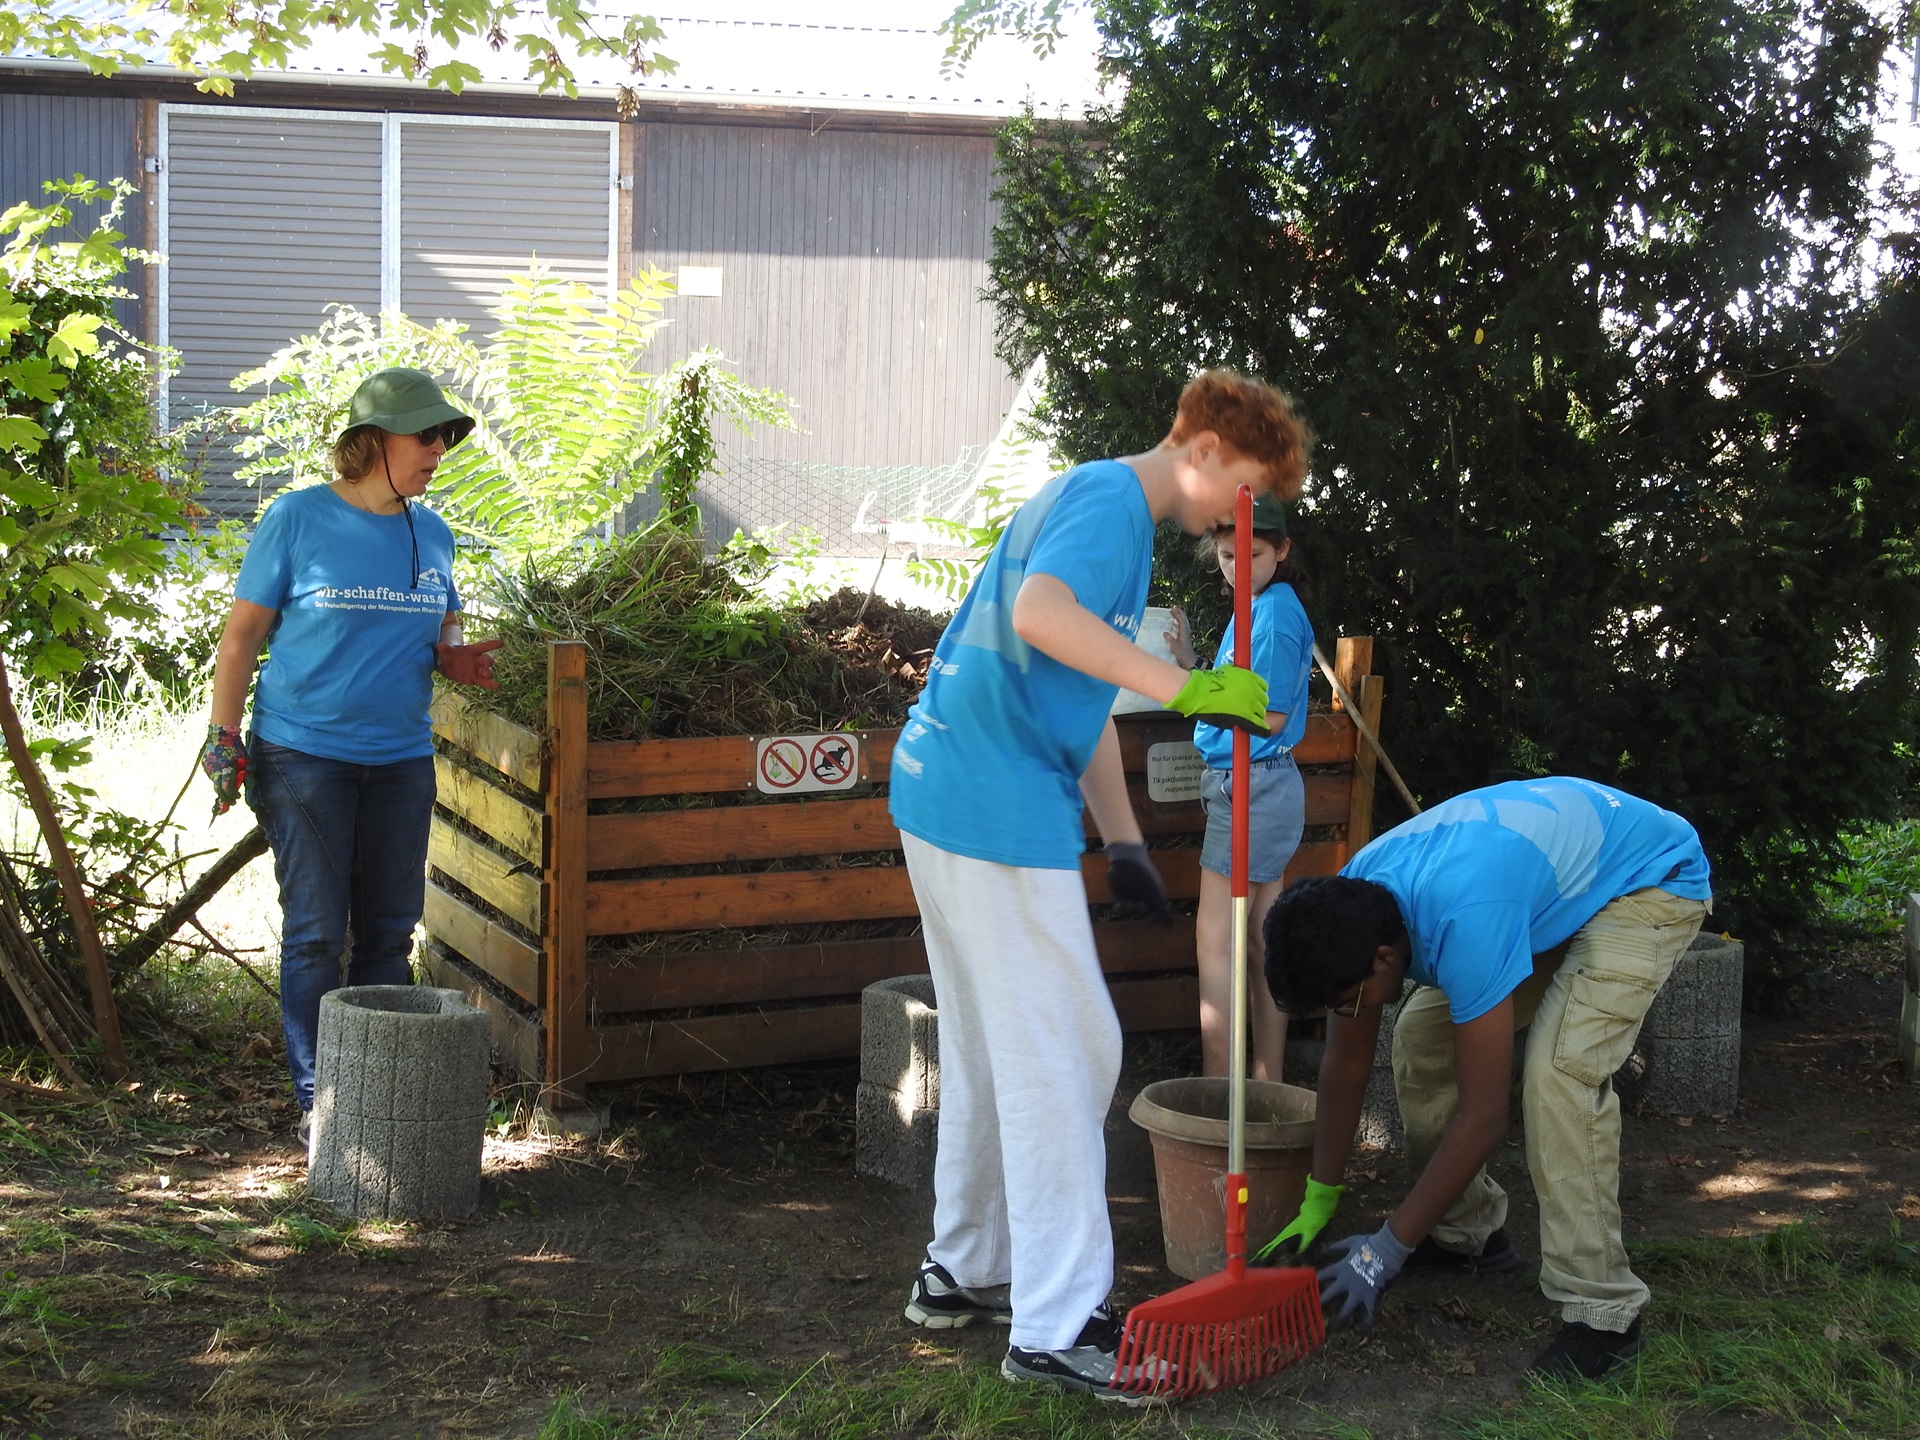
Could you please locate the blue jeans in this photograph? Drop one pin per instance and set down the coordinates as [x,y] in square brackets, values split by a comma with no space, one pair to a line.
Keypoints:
[350,853]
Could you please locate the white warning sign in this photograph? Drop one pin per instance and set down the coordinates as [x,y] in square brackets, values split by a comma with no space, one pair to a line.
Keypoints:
[801,764]
[1174,769]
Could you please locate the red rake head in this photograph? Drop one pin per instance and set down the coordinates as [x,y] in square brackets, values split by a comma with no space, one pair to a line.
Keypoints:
[1218,1332]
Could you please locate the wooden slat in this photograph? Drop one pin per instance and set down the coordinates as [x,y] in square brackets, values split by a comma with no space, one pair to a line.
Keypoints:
[484,943]
[781,897]
[824,1032]
[508,748]
[816,826]
[1166,1003]
[673,980]
[725,1042]
[620,768]
[802,897]
[565,1005]
[683,979]
[1142,730]
[504,882]
[1179,872]
[516,1040]
[1316,857]
[1329,740]
[518,827]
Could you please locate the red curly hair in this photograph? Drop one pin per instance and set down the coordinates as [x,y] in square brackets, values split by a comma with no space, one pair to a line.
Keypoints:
[1252,417]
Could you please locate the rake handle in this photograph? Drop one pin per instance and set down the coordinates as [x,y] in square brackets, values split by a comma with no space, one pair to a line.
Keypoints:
[1241,816]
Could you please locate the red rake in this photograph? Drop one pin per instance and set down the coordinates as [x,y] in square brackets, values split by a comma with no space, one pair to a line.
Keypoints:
[1236,1326]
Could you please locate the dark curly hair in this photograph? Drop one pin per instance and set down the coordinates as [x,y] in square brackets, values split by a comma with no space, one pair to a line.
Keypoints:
[1322,935]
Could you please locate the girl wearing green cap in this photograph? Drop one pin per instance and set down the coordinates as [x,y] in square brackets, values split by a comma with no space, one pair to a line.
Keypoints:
[349,585]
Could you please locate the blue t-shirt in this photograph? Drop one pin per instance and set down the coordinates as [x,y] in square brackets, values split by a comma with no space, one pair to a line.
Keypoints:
[349,668]
[1282,653]
[1493,877]
[989,762]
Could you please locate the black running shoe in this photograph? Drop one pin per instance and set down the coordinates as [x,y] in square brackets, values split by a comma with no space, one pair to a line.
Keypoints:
[1496,1257]
[1584,1353]
[1086,1367]
[939,1304]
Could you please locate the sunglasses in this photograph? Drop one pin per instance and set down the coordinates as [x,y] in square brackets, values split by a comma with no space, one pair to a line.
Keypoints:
[1351,1010]
[446,431]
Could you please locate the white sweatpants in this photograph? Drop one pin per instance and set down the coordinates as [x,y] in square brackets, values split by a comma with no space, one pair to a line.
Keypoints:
[1029,1055]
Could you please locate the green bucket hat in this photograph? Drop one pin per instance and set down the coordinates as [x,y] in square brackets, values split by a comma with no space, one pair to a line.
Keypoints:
[1269,514]
[403,401]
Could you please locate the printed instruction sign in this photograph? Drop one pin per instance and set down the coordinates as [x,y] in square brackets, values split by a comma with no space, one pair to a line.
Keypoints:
[800,764]
[1174,769]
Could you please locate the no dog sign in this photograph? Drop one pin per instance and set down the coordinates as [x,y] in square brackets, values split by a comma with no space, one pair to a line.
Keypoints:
[800,764]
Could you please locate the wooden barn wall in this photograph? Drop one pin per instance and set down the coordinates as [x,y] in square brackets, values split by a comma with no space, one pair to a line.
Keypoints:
[54,137]
[852,266]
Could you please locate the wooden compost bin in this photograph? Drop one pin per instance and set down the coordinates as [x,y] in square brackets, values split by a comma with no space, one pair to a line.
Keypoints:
[524,871]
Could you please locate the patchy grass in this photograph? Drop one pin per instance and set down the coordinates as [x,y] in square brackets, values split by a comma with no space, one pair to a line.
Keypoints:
[1793,1327]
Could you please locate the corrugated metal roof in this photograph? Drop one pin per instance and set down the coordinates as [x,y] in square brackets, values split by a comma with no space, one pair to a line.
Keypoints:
[858,54]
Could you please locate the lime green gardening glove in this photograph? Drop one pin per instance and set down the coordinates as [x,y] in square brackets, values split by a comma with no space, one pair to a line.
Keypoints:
[1227,696]
[1315,1211]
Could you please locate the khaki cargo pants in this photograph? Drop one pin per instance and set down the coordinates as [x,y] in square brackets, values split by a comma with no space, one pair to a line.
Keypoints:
[1583,1013]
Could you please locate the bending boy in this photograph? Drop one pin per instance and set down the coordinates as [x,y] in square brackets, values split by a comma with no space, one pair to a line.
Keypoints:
[1474,900]
[1008,744]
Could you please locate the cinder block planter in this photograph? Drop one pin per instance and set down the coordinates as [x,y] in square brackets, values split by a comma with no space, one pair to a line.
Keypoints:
[897,1107]
[1687,1060]
[1908,1035]
[399,1103]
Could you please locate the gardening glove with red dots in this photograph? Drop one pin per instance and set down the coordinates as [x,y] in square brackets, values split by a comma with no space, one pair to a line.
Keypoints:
[1227,696]
[1138,893]
[469,664]
[224,758]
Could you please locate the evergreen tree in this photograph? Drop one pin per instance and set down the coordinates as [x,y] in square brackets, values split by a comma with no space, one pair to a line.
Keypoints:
[1612,339]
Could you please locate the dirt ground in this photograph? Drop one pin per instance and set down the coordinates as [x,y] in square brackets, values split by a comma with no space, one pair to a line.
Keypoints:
[726,1214]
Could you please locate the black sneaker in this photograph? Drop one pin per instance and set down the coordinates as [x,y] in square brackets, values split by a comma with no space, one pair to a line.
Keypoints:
[1582,1352]
[939,1304]
[1087,1367]
[1496,1257]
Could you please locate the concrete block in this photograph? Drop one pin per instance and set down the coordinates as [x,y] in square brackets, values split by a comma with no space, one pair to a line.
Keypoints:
[900,1038]
[897,1107]
[1913,943]
[400,1102]
[893,1140]
[1909,1036]
[1702,996]
[1687,1059]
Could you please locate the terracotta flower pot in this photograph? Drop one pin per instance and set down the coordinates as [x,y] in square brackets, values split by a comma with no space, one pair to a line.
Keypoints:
[1187,1121]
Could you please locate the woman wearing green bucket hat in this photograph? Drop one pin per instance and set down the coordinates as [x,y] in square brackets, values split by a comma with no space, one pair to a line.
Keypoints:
[352,585]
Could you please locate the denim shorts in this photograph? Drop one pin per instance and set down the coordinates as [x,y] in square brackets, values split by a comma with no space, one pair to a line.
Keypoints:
[1274,826]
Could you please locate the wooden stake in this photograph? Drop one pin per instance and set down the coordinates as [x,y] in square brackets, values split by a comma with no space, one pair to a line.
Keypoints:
[566,910]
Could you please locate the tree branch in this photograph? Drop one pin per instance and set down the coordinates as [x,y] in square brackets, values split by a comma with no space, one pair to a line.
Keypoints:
[144,946]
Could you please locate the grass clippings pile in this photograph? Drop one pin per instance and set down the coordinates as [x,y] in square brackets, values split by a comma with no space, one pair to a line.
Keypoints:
[680,645]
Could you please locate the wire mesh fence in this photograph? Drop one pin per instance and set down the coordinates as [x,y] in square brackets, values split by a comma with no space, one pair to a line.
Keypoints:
[856,510]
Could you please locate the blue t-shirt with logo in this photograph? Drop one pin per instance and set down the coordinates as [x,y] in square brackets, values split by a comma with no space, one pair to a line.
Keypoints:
[1282,654]
[1491,878]
[989,762]
[349,668]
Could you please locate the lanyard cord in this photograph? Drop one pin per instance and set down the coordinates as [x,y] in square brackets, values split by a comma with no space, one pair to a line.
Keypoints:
[413,537]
